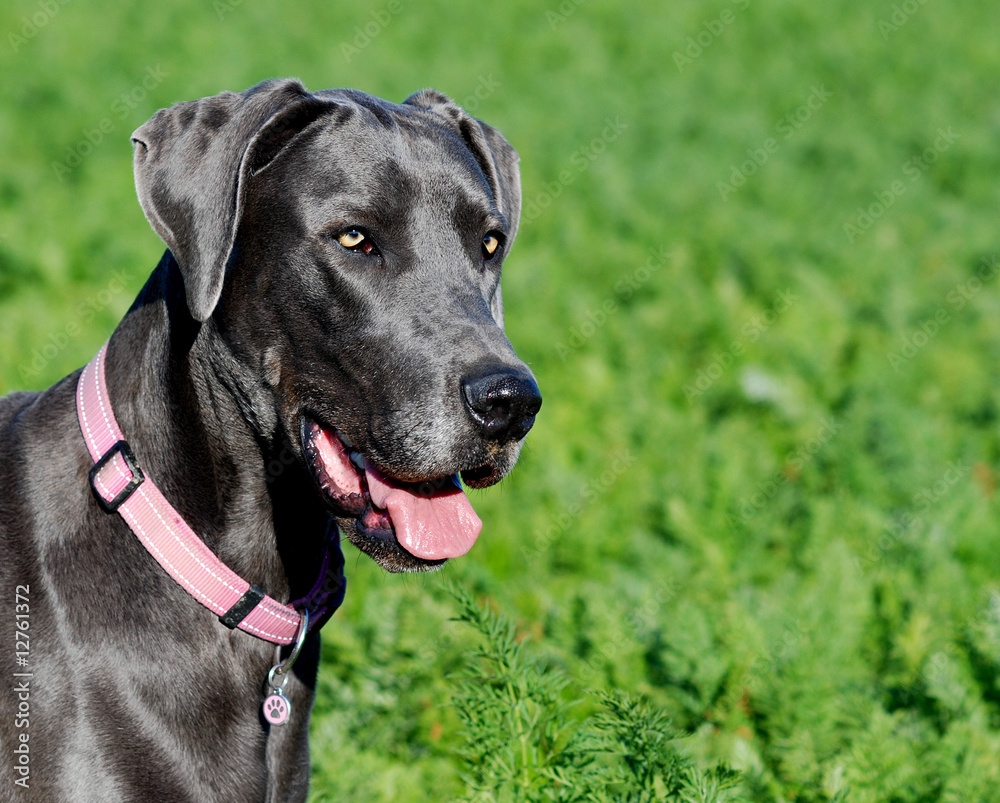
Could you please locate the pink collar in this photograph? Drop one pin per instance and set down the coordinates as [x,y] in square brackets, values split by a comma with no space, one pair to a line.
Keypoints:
[120,485]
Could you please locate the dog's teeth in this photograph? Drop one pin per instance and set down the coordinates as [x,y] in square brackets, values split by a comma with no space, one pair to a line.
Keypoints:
[358,459]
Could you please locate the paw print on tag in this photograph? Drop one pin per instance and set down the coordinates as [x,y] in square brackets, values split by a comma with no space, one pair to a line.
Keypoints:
[277,709]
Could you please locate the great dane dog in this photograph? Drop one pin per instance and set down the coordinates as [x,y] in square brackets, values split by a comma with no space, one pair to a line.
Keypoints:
[321,344]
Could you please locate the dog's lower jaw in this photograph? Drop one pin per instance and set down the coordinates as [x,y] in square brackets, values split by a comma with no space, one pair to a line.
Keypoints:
[386,551]
[359,497]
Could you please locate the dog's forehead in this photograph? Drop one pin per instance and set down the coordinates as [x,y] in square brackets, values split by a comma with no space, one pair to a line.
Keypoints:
[372,149]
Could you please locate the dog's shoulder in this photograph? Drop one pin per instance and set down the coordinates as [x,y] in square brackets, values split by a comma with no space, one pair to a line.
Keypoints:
[37,433]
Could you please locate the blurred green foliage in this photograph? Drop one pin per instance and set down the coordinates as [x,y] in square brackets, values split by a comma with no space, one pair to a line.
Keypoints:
[756,278]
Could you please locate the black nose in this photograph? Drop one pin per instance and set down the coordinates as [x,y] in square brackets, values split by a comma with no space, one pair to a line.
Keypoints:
[502,403]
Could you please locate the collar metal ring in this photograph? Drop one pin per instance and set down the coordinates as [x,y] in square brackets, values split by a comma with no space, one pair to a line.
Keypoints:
[283,667]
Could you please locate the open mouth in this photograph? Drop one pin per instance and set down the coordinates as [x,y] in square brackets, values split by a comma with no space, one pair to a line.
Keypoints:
[416,525]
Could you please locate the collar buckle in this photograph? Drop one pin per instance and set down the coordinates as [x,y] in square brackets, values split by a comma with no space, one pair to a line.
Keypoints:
[121,448]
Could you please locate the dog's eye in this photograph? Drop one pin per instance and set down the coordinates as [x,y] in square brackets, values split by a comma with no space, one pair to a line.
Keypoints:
[355,240]
[351,239]
[490,245]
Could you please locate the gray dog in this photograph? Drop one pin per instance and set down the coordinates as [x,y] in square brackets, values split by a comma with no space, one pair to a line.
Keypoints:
[320,348]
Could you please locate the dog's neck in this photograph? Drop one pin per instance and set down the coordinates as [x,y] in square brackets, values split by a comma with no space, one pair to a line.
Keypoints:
[201,428]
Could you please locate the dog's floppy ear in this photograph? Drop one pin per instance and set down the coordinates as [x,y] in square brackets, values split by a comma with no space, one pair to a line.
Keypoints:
[193,162]
[494,154]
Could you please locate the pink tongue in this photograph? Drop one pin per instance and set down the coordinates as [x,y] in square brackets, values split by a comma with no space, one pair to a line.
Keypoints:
[434,525]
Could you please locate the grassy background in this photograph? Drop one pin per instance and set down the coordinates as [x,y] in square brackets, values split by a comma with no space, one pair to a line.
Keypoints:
[762,489]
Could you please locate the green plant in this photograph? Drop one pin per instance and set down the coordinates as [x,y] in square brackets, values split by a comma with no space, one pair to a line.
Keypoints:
[795,557]
[522,743]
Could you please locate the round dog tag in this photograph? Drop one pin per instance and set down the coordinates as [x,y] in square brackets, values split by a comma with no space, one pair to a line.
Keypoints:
[277,708]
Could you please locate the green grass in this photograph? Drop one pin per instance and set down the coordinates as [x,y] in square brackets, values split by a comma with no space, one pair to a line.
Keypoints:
[761,493]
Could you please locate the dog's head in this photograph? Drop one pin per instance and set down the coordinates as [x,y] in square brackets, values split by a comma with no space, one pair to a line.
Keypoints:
[347,253]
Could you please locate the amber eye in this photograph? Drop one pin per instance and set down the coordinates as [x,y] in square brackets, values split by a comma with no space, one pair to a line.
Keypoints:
[356,240]
[351,239]
[490,245]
